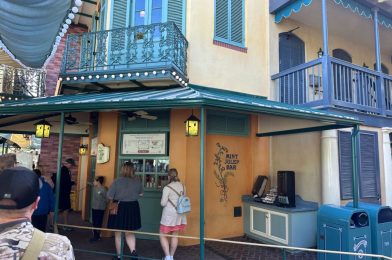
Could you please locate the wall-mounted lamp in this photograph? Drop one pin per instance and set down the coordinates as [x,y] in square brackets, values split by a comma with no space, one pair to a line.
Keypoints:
[320,53]
[42,129]
[83,149]
[192,126]
[365,66]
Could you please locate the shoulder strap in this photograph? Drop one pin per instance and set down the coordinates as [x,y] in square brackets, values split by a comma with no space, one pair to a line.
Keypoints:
[35,245]
[174,190]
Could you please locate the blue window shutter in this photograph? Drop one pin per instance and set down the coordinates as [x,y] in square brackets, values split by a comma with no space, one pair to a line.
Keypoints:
[175,13]
[237,21]
[222,19]
[369,177]
[345,165]
[119,14]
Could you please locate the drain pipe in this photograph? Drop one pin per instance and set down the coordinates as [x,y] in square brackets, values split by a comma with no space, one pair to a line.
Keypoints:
[355,158]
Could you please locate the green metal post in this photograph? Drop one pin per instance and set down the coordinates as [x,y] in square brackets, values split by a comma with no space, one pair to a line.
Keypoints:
[355,154]
[58,176]
[122,245]
[202,112]
[2,152]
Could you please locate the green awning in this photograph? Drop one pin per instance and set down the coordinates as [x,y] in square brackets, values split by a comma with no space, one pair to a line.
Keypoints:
[182,97]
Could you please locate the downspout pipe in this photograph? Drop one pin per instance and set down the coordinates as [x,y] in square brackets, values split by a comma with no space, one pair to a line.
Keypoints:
[202,146]
[355,158]
[58,173]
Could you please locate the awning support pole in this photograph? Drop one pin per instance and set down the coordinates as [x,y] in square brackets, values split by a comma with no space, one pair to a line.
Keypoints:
[326,72]
[355,153]
[202,112]
[58,173]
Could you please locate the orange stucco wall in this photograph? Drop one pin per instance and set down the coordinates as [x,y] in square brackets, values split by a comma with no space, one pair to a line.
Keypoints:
[108,135]
[253,155]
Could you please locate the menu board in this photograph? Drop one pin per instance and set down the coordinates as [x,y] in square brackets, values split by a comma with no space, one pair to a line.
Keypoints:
[144,143]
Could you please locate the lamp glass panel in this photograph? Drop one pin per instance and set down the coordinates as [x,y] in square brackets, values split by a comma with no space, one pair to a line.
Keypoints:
[46,131]
[192,128]
[39,131]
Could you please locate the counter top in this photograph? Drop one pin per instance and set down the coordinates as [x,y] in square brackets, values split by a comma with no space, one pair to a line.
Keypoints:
[301,205]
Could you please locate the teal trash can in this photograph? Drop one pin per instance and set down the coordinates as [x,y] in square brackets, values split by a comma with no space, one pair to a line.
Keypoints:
[381,227]
[343,229]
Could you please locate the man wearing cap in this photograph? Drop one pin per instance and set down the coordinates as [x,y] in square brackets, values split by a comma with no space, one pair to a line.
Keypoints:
[19,189]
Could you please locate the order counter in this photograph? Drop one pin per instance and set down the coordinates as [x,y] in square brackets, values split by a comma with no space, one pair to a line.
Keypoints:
[285,226]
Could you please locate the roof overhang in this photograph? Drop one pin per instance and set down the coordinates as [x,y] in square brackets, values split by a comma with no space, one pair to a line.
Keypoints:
[188,97]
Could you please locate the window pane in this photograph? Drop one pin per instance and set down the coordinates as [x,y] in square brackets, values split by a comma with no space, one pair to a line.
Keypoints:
[156,4]
[140,5]
[139,18]
[156,16]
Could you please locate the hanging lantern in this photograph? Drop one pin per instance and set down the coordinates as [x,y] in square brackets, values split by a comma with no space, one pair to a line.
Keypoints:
[192,126]
[42,129]
[83,149]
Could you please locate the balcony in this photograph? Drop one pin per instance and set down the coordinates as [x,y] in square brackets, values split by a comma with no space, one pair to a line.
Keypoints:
[139,55]
[350,87]
[17,83]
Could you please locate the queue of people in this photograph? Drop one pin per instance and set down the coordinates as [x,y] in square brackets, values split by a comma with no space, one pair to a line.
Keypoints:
[28,206]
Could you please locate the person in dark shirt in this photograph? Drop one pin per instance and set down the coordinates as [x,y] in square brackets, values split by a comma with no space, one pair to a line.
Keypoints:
[45,205]
[65,188]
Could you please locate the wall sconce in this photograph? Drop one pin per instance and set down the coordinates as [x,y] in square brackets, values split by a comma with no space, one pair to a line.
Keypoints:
[320,53]
[42,129]
[192,126]
[365,66]
[83,149]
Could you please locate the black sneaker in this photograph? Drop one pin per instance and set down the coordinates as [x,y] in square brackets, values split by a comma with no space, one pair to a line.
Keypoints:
[134,254]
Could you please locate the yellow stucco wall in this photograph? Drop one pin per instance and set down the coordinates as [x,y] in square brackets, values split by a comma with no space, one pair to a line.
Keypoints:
[313,40]
[220,67]
[301,154]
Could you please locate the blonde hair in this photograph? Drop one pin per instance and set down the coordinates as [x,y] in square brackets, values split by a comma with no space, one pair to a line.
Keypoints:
[173,174]
[127,170]
[7,161]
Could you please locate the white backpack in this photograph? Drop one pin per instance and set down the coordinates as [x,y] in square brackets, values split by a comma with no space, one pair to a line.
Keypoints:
[183,202]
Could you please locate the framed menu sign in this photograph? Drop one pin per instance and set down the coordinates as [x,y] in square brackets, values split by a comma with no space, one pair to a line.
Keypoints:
[144,143]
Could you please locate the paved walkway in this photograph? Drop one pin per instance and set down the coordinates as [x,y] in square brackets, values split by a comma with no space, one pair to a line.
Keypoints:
[151,249]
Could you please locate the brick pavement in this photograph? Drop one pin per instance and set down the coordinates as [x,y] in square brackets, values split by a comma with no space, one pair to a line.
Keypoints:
[151,249]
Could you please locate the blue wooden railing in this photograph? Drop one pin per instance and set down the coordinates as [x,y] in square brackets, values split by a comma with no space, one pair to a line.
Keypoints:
[349,86]
[388,93]
[158,45]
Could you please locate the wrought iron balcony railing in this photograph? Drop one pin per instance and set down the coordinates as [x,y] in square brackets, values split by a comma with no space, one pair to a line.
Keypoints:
[21,83]
[153,46]
[348,86]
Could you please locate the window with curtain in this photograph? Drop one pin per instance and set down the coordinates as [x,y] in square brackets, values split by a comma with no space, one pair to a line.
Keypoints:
[369,177]
[229,21]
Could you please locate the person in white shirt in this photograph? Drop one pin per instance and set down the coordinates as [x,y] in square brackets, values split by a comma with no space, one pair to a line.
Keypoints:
[171,221]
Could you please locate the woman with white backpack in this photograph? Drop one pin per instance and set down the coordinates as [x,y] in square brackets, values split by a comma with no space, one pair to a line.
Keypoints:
[171,221]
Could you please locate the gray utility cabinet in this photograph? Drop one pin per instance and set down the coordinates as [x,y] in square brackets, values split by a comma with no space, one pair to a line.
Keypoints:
[285,226]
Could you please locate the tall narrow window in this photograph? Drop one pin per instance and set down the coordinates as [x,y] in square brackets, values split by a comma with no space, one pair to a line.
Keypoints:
[229,21]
